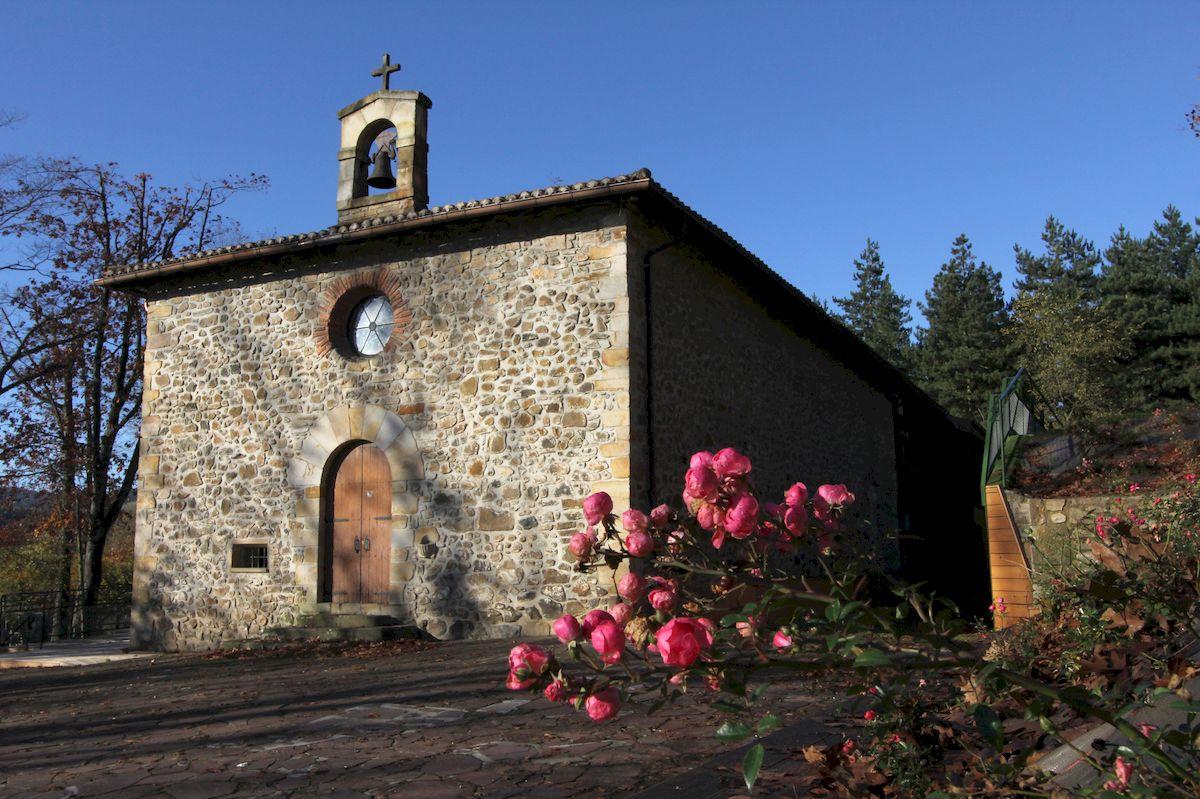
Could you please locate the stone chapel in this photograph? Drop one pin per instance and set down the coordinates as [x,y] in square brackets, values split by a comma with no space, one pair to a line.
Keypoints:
[401,413]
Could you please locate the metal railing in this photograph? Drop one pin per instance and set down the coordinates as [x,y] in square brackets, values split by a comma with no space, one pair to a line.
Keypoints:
[32,618]
[1016,411]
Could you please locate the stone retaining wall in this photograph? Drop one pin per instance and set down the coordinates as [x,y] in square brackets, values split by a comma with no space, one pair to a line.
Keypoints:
[1059,527]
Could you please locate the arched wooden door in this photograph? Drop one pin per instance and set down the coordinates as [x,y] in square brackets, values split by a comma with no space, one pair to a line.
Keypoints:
[359,522]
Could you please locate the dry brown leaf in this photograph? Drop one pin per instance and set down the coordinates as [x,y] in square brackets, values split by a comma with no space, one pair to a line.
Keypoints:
[1127,619]
[814,754]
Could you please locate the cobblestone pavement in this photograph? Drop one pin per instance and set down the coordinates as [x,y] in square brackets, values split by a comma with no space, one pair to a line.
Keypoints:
[374,721]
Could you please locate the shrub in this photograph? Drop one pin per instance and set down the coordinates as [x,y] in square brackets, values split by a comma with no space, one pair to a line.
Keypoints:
[735,589]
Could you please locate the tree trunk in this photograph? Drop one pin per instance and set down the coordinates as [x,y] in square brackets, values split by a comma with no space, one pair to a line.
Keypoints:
[92,573]
[62,613]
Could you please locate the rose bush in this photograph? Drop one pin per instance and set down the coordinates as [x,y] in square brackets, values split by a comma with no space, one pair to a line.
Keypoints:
[734,587]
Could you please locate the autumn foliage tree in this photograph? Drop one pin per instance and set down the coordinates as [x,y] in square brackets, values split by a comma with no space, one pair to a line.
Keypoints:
[73,429]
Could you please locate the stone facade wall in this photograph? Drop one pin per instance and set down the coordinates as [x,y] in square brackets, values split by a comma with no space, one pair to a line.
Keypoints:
[725,373]
[511,381]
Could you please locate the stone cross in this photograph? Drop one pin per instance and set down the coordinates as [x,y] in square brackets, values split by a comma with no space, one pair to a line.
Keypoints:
[385,71]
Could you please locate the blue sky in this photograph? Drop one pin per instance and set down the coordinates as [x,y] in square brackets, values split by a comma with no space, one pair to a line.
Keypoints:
[801,128]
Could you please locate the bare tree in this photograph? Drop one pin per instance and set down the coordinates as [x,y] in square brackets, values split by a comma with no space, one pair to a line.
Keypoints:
[30,199]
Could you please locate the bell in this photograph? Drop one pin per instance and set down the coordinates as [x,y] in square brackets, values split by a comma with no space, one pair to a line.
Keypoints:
[381,176]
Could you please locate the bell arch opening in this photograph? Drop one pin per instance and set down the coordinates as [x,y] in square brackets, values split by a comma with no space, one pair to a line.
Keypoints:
[375,155]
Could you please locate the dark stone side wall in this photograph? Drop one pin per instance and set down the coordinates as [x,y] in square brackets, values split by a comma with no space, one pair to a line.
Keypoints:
[724,372]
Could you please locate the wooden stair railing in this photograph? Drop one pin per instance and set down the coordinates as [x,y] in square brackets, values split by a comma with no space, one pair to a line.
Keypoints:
[1008,561]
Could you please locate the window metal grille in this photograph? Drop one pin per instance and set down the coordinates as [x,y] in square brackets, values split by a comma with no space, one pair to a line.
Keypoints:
[250,556]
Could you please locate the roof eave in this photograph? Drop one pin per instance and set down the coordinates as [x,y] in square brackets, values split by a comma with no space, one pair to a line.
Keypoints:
[368,231]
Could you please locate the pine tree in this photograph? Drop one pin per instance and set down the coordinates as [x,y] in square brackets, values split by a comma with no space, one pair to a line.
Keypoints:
[1151,289]
[876,312]
[1174,246]
[1137,295]
[1069,262]
[964,354]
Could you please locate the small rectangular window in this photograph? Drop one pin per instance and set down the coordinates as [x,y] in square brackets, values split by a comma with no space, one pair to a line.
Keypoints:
[249,558]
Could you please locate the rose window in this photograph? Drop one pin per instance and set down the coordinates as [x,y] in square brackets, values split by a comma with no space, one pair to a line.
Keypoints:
[370,325]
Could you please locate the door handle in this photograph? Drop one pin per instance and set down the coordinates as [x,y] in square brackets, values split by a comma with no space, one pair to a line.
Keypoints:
[367,544]
[357,544]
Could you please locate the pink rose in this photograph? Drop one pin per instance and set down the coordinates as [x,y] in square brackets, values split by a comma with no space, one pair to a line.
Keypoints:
[593,618]
[631,587]
[664,596]
[710,517]
[604,704]
[640,545]
[702,459]
[730,463]
[660,516]
[596,507]
[634,521]
[835,495]
[821,509]
[1123,769]
[741,520]
[781,640]
[870,715]
[681,641]
[700,482]
[796,496]
[795,519]
[526,662]
[609,641]
[621,614]
[581,545]
[567,628]
[556,691]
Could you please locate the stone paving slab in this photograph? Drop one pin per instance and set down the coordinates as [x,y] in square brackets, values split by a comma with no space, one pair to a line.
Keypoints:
[74,652]
[405,719]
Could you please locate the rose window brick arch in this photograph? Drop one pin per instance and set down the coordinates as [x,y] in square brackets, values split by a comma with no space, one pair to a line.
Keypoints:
[340,300]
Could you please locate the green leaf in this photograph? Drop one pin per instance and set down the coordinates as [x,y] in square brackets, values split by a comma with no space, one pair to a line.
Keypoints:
[767,723]
[727,707]
[751,763]
[870,658]
[1174,737]
[733,732]
[1188,707]
[849,608]
[989,726]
